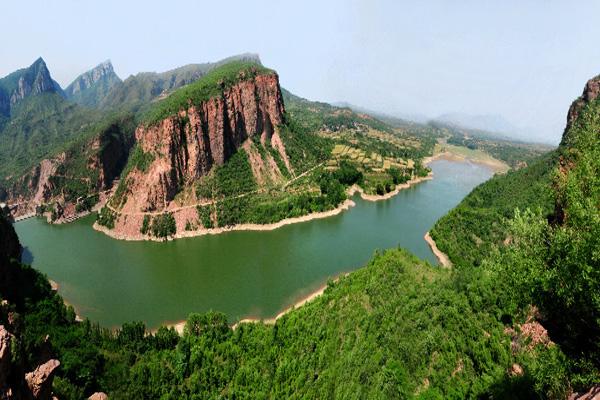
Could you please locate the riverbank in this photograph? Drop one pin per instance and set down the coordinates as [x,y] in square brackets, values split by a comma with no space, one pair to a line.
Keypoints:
[374,197]
[265,227]
[54,286]
[440,255]
[179,326]
[494,164]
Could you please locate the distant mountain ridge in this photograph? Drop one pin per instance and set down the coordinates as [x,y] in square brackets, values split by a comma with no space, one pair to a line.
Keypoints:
[489,122]
[147,86]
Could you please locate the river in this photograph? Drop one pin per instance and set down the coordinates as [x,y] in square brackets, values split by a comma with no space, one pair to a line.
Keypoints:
[241,273]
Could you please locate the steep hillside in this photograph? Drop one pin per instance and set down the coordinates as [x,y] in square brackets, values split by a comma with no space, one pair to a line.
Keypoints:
[469,232]
[228,115]
[549,257]
[91,88]
[79,176]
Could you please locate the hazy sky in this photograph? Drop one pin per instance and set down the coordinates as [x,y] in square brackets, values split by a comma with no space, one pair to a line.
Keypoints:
[524,60]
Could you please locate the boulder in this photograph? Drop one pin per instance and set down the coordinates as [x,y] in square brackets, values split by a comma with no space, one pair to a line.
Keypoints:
[98,396]
[39,381]
[5,339]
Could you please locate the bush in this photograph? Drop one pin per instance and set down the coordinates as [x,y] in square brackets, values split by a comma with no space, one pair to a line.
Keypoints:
[163,225]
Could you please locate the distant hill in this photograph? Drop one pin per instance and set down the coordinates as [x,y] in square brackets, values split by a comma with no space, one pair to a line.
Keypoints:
[489,122]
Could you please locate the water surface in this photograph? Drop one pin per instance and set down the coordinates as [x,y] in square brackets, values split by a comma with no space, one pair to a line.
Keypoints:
[239,273]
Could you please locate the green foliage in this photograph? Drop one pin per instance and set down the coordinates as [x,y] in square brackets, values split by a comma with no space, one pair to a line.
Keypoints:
[304,148]
[235,176]
[145,225]
[398,176]
[106,217]
[40,126]
[163,225]
[554,262]
[138,160]
[273,207]
[347,174]
[204,215]
[469,232]
[210,85]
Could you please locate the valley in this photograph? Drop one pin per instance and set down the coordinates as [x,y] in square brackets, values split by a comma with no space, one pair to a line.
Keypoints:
[274,199]
[251,274]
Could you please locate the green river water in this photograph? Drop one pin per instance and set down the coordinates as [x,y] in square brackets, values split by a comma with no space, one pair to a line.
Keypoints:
[243,274]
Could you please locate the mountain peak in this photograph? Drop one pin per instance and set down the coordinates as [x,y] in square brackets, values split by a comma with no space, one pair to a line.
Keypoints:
[25,82]
[89,87]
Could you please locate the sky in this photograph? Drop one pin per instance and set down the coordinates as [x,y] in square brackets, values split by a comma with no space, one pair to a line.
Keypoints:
[523,60]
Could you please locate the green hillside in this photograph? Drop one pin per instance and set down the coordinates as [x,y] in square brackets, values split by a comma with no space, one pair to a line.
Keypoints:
[40,126]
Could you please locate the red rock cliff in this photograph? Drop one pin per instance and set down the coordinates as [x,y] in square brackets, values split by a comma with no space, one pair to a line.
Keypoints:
[185,147]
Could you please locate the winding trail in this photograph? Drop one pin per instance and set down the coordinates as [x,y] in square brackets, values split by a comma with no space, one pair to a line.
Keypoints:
[212,201]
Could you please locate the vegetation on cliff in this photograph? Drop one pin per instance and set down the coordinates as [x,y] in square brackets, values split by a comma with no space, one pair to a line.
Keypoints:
[547,219]
[211,85]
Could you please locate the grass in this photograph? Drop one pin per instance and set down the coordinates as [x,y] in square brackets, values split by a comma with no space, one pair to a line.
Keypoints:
[211,85]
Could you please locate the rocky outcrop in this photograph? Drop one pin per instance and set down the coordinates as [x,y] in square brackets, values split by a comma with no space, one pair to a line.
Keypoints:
[5,357]
[98,396]
[186,146]
[105,156]
[39,381]
[34,188]
[109,153]
[592,394]
[590,93]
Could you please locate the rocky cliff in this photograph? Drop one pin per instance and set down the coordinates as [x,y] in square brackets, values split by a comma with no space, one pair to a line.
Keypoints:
[183,147]
[590,93]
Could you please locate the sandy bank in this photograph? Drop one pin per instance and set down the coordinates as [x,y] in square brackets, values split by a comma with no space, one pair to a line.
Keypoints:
[55,286]
[115,234]
[242,227]
[492,163]
[179,326]
[441,256]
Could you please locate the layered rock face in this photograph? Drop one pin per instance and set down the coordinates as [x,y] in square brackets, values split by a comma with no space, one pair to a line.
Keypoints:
[34,188]
[185,147]
[40,380]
